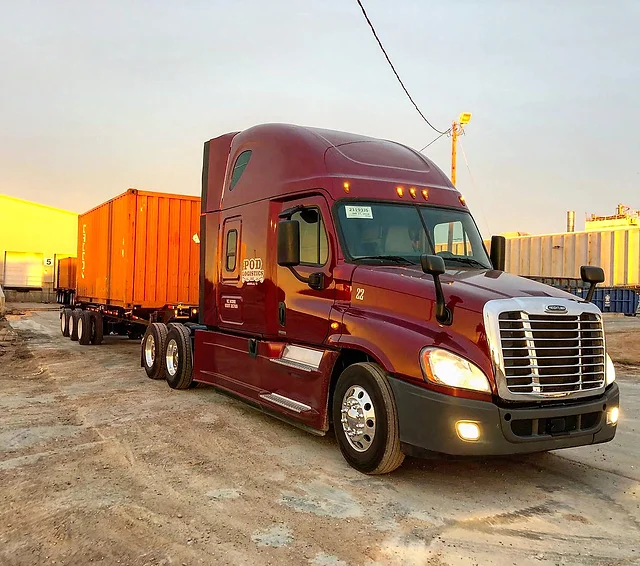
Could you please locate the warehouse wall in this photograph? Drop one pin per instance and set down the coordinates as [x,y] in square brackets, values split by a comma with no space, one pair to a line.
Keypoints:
[32,233]
[561,255]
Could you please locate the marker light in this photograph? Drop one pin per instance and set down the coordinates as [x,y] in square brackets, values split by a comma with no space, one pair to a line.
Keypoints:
[425,194]
[347,186]
[335,325]
[446,368]
[610,371]
[412,192]
[467,430]
[400,191]
[612,415]
[462,200]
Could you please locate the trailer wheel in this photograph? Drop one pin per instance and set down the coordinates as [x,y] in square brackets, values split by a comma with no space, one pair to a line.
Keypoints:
[84,328]
[365,419]
[153,350]
[65,317]
[179,358]
[97,328]
[73,324]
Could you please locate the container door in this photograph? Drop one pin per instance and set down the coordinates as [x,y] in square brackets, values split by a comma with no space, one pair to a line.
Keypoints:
[23,270]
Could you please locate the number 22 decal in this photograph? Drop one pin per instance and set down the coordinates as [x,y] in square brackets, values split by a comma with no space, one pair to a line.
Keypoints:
[360,294]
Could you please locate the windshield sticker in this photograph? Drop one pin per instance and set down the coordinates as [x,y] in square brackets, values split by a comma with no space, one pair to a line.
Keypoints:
[252,271]
[359,212]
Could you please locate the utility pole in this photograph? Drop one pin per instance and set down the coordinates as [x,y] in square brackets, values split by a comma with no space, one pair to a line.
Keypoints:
[456,130]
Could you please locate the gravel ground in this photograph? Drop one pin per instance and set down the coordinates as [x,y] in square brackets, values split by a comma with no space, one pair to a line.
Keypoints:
[100,464]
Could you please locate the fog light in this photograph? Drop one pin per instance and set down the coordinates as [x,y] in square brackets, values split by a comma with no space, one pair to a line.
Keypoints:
[467,430]
[612,415]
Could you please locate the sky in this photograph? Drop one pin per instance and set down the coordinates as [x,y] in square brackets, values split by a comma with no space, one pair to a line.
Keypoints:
[97,97]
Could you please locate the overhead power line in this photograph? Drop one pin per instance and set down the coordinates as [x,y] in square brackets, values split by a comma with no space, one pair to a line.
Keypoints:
[435,140]
[373,30]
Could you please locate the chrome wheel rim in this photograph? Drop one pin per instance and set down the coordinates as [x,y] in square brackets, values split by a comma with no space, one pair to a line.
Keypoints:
[358,418]
[62,323]
[150,350]
[172,357]
[80,325]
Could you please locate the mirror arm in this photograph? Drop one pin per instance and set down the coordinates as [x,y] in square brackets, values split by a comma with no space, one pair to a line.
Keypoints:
[590,293]
[298,276]
[443,313]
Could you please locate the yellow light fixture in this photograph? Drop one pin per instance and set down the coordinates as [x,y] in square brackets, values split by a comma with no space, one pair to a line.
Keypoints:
[400,191]
[412,192]
[468,431]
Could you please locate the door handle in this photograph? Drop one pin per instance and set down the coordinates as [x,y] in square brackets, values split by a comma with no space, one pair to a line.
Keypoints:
[282,313]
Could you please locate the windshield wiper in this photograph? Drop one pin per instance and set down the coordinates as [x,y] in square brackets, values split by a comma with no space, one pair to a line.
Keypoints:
[394,258]
[467,260]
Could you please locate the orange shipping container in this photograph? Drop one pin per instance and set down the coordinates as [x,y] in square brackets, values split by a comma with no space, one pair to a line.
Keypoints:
[66,273]
[140,250]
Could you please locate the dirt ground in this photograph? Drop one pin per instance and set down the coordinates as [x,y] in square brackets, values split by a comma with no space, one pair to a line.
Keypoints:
[100,464]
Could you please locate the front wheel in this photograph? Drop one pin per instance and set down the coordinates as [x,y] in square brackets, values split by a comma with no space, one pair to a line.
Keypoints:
[365,419]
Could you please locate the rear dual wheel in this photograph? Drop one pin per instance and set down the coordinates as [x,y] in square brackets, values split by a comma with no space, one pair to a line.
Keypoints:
[179,358]
[65,321]
[88,327]
[154,344]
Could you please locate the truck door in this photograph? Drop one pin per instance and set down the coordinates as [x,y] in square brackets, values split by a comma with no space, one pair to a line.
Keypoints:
[303,312]
[298,381]
[230,304]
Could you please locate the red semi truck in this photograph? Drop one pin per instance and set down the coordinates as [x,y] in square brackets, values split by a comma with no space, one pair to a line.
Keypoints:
[344,282]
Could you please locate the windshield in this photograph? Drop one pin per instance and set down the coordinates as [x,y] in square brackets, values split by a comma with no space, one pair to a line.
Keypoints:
[399,233]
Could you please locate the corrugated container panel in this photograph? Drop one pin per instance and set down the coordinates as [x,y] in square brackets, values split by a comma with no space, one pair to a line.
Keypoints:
[138,249]
[66,273]
[561,255]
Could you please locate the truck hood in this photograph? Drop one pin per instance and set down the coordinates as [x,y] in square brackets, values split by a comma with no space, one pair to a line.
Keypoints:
[466,288]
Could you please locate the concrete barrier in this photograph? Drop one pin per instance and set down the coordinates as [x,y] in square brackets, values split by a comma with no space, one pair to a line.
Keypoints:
[3,307]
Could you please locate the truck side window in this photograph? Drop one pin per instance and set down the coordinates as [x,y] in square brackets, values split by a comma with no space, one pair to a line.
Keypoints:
[314,247]
[232,250]
[238,169]
[451,237]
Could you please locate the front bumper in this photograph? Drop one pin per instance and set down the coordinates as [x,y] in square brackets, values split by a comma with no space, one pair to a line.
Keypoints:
[427,423]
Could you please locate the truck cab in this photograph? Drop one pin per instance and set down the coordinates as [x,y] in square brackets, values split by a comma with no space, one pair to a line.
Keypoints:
[344,283]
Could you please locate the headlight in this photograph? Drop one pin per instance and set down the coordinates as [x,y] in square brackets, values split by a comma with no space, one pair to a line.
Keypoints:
[445,368]
[610,371]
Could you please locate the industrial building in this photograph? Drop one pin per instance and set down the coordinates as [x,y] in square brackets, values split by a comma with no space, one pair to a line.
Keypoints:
[611,242]
[33,237]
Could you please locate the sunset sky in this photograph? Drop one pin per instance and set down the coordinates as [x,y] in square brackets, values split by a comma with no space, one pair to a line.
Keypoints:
[97,97]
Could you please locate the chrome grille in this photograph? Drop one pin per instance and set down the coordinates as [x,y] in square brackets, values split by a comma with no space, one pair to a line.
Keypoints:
[550,354]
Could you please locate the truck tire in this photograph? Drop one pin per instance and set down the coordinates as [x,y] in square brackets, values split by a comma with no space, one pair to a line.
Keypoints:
[73,324]
[178,358]
[65,317]
[97,328]
[153,349]
[365,419]
[84,328]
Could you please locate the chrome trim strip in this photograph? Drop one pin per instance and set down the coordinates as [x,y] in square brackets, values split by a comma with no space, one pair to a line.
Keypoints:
[285,402]
[293,364]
